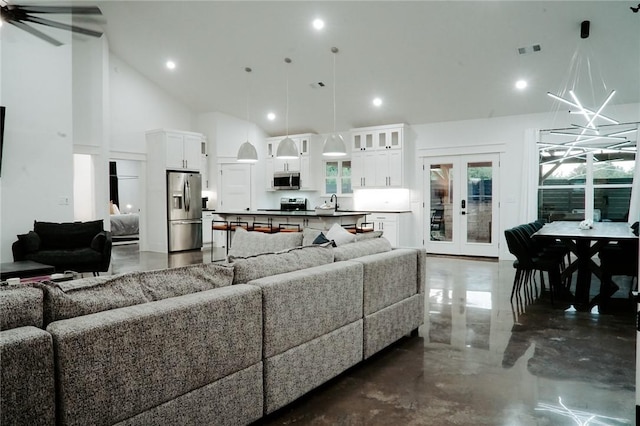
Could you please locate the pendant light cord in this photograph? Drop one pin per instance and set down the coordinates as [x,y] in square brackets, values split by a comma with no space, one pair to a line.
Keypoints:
[288,61]
[248,70]
[335,51]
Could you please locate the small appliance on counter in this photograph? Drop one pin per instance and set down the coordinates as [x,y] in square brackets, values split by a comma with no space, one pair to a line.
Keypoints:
[205,200]
[293,204]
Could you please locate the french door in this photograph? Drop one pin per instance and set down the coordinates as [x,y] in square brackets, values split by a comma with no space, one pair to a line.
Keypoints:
[461,205]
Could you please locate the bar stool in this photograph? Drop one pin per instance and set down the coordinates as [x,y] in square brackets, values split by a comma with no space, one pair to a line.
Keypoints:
[220,225]
[265,227]
[351,228]
[364,227]
[289,227]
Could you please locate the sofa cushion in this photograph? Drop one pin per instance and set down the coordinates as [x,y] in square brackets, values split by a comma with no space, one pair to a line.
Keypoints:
[247,243]
[30,242]
[254,267]
[70,299]
[361,248]
[116,364]
[67,235]
[368,235]
[164,283]
[20,306]
[66,258]
[340,235]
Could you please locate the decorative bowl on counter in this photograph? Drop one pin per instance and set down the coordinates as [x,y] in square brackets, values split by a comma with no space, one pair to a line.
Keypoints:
[325,210]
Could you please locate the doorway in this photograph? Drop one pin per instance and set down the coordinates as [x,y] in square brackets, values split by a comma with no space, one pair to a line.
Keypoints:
[461,196]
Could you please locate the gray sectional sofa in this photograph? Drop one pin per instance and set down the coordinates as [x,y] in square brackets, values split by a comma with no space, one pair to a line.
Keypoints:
[204,344]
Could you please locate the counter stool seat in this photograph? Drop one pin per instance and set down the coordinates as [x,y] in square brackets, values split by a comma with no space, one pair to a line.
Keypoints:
[289,227]
[266,227]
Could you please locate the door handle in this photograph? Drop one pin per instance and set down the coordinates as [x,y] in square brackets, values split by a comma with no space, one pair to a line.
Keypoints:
[463,204]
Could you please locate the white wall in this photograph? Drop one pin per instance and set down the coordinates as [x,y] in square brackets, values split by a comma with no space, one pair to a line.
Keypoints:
[37,169]
[225,134]
[138,105]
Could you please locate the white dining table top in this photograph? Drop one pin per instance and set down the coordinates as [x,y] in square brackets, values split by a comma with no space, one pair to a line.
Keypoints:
[601,231]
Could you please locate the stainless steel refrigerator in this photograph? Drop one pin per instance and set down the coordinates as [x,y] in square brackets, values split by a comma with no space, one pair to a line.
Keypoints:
[184,211]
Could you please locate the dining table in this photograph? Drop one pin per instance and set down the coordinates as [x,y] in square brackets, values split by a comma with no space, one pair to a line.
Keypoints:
[585,242]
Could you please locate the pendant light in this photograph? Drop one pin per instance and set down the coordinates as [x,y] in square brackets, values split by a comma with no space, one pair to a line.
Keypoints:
[334,145]
[247,152]
[287,148]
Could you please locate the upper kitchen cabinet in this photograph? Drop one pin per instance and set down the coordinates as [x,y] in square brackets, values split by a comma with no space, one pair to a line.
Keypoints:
[378,155]
[183,150]
[306,144]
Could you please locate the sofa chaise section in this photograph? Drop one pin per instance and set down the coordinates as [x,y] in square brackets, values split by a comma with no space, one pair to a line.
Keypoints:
[26,360]
[173,359]
[312,328]
[393,296]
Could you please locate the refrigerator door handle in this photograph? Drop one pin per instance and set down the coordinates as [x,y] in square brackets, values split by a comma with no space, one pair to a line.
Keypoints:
[187,196]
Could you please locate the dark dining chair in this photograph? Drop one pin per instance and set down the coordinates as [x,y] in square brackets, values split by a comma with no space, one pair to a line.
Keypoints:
[617,259]
[529,260]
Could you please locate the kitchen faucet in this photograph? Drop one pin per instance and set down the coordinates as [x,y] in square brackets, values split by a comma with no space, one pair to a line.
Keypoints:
[335,203]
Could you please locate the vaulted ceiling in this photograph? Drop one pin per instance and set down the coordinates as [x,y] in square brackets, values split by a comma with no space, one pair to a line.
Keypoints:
[429,61]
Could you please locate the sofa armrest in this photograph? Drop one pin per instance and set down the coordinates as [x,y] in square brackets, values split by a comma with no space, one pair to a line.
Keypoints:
[102,243]
[18,251]
[422,266]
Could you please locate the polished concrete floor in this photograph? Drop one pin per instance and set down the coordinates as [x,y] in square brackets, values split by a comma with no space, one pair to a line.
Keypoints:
[476,361]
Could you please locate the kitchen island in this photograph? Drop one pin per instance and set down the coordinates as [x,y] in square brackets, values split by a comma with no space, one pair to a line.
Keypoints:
[302,218]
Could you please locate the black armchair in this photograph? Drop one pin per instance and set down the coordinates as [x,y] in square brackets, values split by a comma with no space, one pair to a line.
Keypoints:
[71,246]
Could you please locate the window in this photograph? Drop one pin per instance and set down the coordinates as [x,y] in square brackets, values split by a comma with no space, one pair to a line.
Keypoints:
[337,177]
[578,172]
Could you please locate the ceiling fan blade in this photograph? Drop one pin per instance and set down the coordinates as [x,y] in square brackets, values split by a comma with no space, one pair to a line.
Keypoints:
[62,26]
[35,32]
[75,10]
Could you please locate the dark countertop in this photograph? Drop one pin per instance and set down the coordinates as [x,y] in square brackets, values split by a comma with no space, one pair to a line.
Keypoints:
[300,213]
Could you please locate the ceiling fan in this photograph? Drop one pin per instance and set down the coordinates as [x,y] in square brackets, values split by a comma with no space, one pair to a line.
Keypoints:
[23,16]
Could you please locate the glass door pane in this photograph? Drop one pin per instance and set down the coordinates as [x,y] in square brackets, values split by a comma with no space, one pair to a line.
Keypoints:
[479,202]
[441,223]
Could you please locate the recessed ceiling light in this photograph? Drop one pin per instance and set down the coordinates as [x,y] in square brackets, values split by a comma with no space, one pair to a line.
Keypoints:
[171,65]
[318,24]
[271,116]
[521,84]
[377,102]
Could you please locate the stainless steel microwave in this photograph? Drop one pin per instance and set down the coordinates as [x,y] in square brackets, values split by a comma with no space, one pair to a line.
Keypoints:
[286,180]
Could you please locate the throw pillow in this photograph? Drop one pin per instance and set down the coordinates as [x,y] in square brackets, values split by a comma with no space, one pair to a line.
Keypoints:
[309,235]
[320,239]
[361,248]
[30,242]
[246,243]
[340,235]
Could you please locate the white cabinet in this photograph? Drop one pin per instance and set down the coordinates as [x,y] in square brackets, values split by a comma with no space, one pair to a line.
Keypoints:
[378,157]
[363,170]
[394,226]
[303,164]
[184,150]
[207,218]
